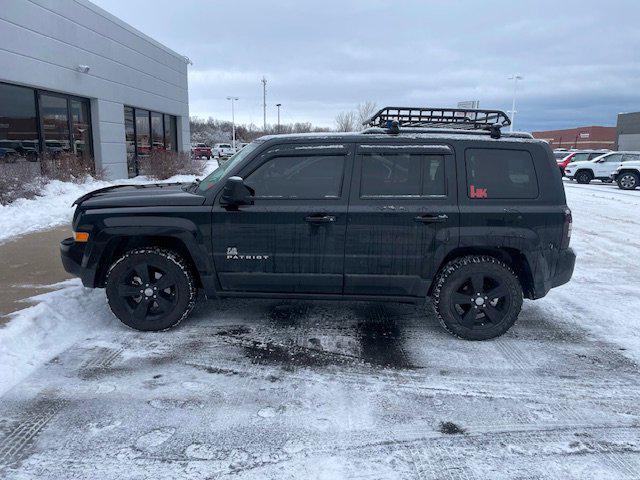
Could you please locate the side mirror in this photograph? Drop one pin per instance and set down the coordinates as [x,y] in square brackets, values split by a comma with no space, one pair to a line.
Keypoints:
[235,193]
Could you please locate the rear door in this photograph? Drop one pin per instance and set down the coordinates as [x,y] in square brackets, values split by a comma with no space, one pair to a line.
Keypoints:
[402,214]
[291,240]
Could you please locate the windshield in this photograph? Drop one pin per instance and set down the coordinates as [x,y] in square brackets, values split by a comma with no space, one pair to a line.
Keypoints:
[215,176]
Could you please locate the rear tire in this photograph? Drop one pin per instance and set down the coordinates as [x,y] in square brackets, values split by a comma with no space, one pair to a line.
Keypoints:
[150,289]
[584,176]
[477,297]
[628,181]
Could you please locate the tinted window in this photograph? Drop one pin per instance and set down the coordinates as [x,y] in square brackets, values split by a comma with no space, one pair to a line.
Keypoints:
[387,174]
[18,124]
[298,177]
[143,132]
[628,157]
[55,123]
[157,131]
[493,173]
[595,155]
[81,128]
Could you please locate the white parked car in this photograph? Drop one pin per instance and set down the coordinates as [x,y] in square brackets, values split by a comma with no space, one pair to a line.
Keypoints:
[627,175]
[600,168]
[223,150]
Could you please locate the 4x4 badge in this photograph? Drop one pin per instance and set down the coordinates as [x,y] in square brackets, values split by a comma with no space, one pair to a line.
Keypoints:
[232,254]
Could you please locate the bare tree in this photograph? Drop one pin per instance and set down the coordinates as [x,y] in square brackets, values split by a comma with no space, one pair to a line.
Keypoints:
[365,111]
[346,121]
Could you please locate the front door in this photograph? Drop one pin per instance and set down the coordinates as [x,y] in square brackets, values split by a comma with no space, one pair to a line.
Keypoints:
[291,240]
[606,165]
[402,214]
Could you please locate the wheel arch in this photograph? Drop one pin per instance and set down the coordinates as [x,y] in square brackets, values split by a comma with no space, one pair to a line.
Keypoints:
[584,169]
[511,256]
[118,245]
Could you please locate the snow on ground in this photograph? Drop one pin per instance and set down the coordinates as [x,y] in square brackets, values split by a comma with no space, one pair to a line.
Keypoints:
[272,390]
[53,206]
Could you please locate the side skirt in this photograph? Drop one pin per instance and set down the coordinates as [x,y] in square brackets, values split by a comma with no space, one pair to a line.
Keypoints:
[316,296]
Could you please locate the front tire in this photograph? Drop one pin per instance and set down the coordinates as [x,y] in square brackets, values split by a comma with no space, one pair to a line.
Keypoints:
[150,289]
[584,177]
[628,181]
[477,297]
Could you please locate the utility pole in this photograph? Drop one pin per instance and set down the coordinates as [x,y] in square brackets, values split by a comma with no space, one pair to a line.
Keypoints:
[264,103]
[233,120]
[513,112]
[278,105]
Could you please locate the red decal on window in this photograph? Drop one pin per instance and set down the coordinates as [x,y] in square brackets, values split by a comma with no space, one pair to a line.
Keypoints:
[477,192]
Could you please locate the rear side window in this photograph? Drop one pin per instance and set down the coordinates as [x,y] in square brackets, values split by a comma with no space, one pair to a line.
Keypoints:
[493,173]
[402,175]
[309,177]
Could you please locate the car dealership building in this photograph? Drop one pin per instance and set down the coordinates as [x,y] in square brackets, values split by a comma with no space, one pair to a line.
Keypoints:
[74,78]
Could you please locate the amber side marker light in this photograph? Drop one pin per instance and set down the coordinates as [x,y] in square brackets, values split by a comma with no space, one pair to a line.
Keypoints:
[81,236]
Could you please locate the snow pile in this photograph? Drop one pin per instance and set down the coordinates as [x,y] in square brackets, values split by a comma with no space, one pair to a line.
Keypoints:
[50,209]
[38,333]
[53,206]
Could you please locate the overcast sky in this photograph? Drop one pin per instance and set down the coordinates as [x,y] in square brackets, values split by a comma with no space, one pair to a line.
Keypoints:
[580,59]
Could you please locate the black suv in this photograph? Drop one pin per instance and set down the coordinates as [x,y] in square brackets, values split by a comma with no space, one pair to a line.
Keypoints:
[424,202]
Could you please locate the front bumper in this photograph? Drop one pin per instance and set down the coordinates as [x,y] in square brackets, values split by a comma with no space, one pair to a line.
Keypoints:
[71,253]
[564,267]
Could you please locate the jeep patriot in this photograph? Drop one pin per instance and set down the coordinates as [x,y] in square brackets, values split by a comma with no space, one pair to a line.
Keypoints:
[422,203]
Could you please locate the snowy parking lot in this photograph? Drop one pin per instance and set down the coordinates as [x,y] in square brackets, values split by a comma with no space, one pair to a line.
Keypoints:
[278,390]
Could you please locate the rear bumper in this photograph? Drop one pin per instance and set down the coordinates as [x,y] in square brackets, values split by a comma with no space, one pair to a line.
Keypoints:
[564,267]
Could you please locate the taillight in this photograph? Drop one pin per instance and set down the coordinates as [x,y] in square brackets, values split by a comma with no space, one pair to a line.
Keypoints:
[566,231]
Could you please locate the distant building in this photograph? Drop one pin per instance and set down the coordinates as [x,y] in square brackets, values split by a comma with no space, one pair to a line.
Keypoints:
[74,78]
[628,131]
[588,138]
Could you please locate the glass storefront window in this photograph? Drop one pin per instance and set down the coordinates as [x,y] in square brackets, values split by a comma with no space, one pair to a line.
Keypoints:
[18,122]
[170,140]
[143,133]
[130,139]
[81,127]
[55,123]
[157,131]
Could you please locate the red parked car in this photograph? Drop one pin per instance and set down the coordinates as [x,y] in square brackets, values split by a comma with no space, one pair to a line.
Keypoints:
[578,156]
[201,150]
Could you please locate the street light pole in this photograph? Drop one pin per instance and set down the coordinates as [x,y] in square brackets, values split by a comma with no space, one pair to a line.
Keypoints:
[264,104]
[513,112]
[278,105]
[233,119]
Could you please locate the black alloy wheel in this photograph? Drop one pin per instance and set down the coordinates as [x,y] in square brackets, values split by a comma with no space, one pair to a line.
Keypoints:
[150,289]
[480,300]
[477,297]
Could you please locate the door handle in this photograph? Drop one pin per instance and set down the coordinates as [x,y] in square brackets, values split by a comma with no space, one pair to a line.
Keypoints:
[320,218]
[432,218]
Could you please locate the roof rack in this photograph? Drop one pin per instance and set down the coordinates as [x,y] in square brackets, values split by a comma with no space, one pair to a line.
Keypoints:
[394,118]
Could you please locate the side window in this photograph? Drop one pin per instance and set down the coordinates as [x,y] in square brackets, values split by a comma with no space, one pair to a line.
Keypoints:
[580,157]
[310,177]
[594,155]
[493,173]
[631,157]
[398,175]
[617,158]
